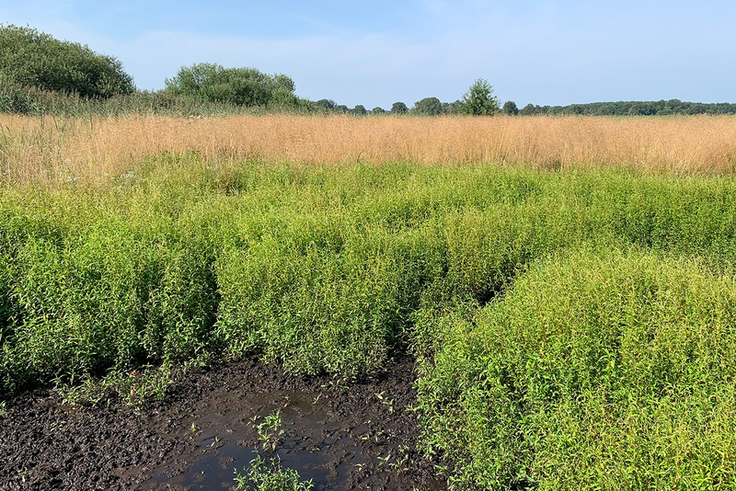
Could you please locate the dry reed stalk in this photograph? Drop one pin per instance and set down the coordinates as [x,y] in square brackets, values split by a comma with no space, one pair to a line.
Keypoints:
[93,149]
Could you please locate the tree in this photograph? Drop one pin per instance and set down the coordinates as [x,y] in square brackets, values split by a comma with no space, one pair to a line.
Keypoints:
[211,82]
[530,110]
[29,58]
[378,110]
[509,107]
[399,108]
[479,100]
[325,104]
[429,106]
[452,107]
[359,110]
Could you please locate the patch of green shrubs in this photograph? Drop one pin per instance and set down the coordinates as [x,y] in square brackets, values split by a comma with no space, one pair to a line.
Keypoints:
[599,369]
[572,328]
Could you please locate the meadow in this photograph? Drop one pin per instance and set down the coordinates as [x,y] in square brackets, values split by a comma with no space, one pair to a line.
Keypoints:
[93,149]
[566,285]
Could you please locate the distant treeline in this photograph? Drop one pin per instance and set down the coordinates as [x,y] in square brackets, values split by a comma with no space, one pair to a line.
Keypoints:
[632,108]
[42,75]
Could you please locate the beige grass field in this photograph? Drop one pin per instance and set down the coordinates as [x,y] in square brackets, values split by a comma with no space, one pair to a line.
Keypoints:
[51,150]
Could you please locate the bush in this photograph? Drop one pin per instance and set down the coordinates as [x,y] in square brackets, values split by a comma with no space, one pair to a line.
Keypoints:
[239,86]
[399,108]
[429,106]
[509,107]
[29,58]
[334,307]
[598,370]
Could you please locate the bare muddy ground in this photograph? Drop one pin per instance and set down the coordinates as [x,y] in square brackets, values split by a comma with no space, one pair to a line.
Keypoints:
[342,436]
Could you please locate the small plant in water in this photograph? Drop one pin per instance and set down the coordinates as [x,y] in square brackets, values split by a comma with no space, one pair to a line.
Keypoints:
[269,475]
[270,431]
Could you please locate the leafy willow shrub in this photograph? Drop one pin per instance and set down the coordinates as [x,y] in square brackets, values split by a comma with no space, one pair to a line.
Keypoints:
[210,82]
[330,303]
[109,297]
[597,370]
[691,216]
[30,58]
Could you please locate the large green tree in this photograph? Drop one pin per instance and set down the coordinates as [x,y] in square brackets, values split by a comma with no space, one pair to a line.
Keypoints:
[479,99]
[30,58]
[211,82]
[429,106]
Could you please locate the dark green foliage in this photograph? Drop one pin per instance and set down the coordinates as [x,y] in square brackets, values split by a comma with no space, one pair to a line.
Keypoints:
[452,108]
[359,110]
[479,99]
[399,108]
[509,107]
[211,82]
[31,59]
[378,110]
[429,106]
[325,104]
[633,108]
[531,110]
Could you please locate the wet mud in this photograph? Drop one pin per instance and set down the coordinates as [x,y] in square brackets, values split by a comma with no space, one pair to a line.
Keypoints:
[340,435]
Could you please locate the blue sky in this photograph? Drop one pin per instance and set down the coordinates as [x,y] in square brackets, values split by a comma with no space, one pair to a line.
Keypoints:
[379,52]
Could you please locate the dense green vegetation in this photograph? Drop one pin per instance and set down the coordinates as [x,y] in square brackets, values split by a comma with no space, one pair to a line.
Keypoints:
[29,58]
[34,102]
[632,108]
[599,369]
[574,330]
[208,82]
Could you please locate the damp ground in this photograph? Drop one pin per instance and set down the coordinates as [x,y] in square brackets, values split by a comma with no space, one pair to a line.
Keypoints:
[340,435]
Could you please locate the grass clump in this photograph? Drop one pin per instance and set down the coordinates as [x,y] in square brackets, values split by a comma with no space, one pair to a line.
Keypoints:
[599,369]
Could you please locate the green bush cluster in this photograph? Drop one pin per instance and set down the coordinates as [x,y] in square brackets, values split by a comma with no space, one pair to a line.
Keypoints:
[29,58]
[570,327]
[110,294]
[600,369]
[210,82]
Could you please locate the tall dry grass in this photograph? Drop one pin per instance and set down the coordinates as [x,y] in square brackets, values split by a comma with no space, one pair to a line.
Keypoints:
[51,150]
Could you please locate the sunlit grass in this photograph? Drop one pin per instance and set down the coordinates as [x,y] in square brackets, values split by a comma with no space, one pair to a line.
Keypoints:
[52,150]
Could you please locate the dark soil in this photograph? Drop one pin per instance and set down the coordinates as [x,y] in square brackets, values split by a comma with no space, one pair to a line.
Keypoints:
[340,435]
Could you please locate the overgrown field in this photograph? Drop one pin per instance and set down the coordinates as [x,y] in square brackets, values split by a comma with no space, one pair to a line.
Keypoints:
[574,329]
[50,150]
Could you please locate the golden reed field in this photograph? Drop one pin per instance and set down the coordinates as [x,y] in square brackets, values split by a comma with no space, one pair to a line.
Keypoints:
[51,150]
